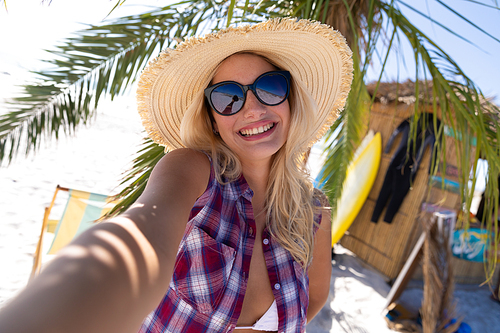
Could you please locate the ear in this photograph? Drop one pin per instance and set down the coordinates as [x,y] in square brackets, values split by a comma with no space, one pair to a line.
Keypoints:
[215,127]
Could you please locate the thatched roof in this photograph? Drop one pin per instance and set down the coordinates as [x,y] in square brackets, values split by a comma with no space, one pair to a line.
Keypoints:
[404,92]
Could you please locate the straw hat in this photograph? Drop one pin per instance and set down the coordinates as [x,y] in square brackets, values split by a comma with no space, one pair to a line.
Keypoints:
[312,52]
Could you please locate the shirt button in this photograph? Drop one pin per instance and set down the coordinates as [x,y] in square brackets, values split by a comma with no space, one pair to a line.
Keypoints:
[265,241]
[250,231]
[277,286]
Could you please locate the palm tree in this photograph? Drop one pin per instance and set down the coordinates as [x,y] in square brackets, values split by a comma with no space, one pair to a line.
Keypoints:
[105,59]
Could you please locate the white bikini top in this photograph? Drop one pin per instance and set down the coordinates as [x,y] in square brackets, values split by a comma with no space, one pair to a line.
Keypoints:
[268,322]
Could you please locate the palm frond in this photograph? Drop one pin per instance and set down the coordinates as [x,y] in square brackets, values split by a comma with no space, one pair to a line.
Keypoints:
[449,30]
[468,21]
[137,177]
[485,4]
[118,4]
[346,133]
[344,136]
[98,61]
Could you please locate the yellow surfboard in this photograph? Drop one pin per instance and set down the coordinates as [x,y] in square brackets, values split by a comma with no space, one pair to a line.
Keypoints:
[360,177]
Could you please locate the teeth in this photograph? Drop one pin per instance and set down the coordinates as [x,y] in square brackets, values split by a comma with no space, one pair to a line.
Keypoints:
[259,130]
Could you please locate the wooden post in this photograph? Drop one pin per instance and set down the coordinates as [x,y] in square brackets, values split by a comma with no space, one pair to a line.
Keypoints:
[37,259]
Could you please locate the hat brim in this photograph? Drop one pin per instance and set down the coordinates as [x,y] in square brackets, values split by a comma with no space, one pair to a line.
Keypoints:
[313,53]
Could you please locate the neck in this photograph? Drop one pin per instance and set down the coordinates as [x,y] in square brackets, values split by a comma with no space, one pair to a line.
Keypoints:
[256,173]
[257,176]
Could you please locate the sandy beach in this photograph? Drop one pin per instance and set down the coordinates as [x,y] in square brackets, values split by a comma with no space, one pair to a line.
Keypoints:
[94,161]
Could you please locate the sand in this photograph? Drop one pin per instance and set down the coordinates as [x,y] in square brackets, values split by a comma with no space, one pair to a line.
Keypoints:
[358,294]
[94,161]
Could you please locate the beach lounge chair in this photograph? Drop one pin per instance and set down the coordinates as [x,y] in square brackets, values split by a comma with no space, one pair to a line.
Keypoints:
[82,210]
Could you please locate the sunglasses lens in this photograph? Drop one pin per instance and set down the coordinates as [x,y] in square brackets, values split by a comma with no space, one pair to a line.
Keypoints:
[227,98]
[272,88]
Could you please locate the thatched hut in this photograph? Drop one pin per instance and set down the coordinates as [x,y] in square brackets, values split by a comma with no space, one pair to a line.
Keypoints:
[386,246]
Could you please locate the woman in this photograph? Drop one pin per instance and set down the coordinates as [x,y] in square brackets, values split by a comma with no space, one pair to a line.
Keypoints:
[229,224]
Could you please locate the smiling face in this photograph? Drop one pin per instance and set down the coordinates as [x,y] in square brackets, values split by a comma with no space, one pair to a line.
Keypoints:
[257,131]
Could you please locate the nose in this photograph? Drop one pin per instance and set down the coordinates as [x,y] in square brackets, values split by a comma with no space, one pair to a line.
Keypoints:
[253,108]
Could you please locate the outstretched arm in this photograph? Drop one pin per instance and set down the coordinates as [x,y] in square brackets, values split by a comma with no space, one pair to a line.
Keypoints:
[115,273]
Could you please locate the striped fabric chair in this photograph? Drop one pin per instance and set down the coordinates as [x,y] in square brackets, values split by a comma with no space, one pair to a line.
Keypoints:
[82,210]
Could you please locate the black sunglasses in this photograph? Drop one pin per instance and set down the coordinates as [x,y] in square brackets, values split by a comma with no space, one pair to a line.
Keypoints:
[228,97]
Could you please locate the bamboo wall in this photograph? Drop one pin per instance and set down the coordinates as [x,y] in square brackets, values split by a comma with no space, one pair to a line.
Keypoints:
[386,246]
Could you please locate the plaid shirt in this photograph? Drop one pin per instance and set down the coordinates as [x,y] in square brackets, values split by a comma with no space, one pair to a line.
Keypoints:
[211,270]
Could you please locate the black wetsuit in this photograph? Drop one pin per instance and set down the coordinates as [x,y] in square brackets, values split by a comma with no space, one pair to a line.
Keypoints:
[404,165]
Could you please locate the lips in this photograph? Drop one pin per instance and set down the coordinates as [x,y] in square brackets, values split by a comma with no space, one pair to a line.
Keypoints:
[256,130]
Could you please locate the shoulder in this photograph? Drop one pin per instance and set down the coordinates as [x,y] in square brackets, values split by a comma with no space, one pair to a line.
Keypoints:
[320,199]
[183,166]
[322,209]
[184,160]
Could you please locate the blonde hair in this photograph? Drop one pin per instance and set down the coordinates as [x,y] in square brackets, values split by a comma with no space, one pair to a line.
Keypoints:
[289,194]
